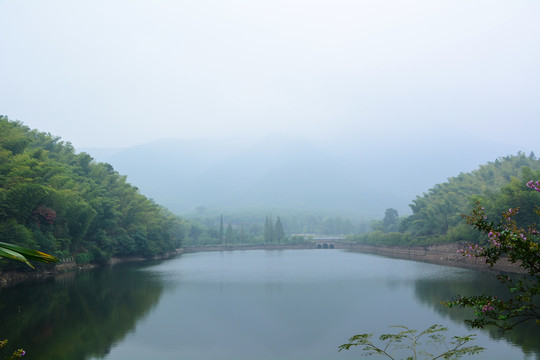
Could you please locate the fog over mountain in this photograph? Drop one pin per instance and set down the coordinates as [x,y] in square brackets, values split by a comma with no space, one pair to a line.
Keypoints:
[357,177]
[375,101]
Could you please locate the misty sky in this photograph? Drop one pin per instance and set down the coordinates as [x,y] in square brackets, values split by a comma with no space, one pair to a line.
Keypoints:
[117,73]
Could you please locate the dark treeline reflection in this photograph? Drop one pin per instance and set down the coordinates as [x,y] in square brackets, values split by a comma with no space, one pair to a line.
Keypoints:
[432,292]
[77,316]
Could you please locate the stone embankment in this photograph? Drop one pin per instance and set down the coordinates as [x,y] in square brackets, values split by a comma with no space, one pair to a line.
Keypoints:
[65,267]
[446,254]
[41,272]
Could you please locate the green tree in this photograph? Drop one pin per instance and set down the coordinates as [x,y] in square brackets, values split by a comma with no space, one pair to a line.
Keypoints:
[242,235]
[221,238]
[279,235]
[269,230]
[390,220]
[229,235]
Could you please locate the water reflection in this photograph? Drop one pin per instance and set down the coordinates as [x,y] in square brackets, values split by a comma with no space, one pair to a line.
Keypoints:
[264,305]
[465,282]
[289,305]
[77,316]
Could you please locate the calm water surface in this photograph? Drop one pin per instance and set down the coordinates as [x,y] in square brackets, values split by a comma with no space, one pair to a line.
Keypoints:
[275,304]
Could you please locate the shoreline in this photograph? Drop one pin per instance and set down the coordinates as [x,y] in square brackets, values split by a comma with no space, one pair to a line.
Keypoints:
[42,271]
[444,254]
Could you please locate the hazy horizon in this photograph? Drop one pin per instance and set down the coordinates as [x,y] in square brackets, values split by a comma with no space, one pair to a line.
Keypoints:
[118,74]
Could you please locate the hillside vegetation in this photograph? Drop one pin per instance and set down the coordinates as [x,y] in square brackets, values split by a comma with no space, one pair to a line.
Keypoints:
[437,214]
[64,203]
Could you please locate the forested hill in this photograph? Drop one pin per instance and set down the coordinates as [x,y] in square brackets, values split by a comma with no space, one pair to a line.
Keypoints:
[64,203]
[437,214]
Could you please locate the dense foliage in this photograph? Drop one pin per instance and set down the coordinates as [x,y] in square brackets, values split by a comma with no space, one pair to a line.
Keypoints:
[438,211]
[63,203]
[437,214]
[518,245]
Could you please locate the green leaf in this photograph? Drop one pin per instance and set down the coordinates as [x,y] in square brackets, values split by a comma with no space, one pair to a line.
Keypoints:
[29,253]
[14,255]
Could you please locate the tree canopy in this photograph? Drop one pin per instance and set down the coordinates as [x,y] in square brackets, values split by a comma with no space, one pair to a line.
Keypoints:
[437,215]
[64,203]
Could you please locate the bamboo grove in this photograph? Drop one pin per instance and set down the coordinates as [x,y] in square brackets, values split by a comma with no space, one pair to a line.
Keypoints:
[64,203]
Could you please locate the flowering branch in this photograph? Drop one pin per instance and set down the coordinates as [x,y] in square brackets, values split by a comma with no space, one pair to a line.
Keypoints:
[517,245]
[17,354]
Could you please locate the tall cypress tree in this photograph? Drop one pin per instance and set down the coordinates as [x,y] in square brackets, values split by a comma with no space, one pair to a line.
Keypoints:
[229,235]
[271,236]
[221,229]
[266,231]
[242,235]
[279,235]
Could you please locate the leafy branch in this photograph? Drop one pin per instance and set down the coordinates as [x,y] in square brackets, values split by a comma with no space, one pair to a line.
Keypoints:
[410,339]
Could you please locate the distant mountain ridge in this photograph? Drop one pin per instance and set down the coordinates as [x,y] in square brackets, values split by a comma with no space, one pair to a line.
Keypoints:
[355,177]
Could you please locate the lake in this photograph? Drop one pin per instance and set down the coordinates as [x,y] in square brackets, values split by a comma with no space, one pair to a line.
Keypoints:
[240,305]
